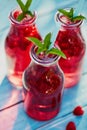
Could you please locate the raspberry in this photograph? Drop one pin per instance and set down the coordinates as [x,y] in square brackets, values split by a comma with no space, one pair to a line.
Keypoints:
[78,111]
[71,126]
[16,14]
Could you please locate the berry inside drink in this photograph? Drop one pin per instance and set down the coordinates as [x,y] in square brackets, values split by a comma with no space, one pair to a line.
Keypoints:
[43,100]
[17,47]
[71,42]
[43,88]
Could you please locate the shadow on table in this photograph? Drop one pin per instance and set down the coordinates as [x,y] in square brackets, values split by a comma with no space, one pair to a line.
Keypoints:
[23,122]
[9,95]
[20,121]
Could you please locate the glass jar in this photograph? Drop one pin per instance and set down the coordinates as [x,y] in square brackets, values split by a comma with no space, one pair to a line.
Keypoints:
[17,47]
[43,86]
[71,42]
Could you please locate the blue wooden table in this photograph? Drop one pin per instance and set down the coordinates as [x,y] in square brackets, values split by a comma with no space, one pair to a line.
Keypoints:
[12,114]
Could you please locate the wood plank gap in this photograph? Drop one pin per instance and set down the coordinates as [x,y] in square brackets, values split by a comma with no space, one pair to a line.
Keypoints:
[60,119]
[12,105]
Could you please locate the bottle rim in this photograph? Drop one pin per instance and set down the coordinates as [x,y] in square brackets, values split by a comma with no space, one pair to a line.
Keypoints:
[72,24]
[29,21]
[46,61]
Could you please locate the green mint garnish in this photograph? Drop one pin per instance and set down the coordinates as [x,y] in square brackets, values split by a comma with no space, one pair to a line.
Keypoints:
[45,46]
[25,9]
[70,14]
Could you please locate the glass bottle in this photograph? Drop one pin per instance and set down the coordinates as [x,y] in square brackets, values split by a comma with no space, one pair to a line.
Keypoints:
[43,86]
[71,42]
[17,47]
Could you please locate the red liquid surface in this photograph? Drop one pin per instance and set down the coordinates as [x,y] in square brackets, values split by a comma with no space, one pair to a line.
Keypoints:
[17,51]
[45,86]
[71,43]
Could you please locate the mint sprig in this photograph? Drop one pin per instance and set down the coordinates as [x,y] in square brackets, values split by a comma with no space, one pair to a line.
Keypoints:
[25,9]
[45,46]
[71,15]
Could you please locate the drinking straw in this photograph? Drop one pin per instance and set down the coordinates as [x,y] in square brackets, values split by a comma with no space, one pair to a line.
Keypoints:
[79,7]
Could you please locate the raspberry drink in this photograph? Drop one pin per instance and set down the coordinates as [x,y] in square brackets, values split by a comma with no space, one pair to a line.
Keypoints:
[17,47]
[43,85]
[71,42]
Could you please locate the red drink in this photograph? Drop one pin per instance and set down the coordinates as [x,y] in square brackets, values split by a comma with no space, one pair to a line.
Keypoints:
[17,47]
[71,42]
[43,85]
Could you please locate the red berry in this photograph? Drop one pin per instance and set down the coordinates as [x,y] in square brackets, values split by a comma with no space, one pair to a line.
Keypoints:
[16,13]
[78,111]
[71,126]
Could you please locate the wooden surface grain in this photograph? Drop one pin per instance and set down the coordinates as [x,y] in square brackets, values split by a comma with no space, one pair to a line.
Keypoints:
[12,114]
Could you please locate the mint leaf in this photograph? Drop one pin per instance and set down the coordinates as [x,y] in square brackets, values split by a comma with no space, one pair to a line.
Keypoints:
[78,18]
[42,49]
[56,52]
[64,12]
[27,5]
[21,4]
[25,9]
[20,16]
[70,14]
[47,40]
[44,46]
[30,13]
[35,41]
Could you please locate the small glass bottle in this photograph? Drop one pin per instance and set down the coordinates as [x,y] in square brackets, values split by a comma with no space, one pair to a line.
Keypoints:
[70,40]
[43,86]
[17,47]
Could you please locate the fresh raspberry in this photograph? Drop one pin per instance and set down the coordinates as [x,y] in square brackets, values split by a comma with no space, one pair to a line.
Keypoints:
[78,111]
[71,126]
[16,13]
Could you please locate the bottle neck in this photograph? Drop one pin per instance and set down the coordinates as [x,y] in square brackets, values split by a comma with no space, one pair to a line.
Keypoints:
[66,23]
[44,60]
[28,21]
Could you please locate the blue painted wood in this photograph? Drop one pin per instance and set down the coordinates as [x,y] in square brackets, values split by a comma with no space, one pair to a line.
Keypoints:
[9,95]
[71,98]
[15,117]
[60,124]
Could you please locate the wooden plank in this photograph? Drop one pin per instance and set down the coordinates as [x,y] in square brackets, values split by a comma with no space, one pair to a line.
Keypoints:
[60,124]
[9,95]
[16,118]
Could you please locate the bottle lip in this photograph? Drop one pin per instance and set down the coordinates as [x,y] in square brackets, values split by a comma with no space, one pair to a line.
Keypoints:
[59,17]
[45,61]
[28,21]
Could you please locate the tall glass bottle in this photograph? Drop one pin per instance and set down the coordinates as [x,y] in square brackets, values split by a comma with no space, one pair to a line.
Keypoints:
[43,86]
[71,42]
[17,47]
